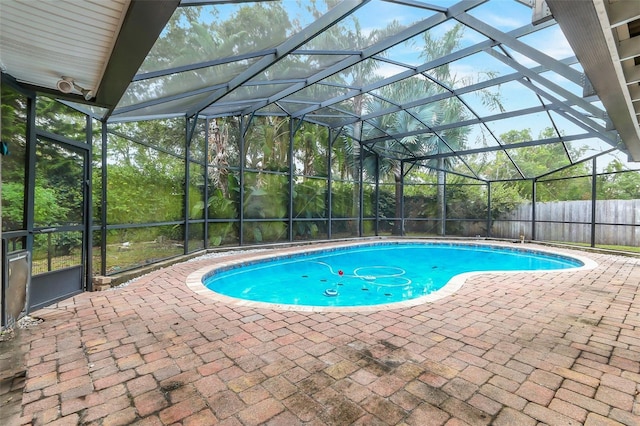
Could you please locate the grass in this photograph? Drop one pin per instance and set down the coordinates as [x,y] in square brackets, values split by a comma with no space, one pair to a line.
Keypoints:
[630,249]
[40,264]
[121,257]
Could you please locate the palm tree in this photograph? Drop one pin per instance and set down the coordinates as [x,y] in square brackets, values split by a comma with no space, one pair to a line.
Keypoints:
[454,138]
[267,144]
[310,148]
[426,117]
[450,140]
[402,123]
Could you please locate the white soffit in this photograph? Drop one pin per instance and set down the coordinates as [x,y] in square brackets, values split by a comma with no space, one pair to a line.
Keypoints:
[598,32]
[615,18]
[41,41]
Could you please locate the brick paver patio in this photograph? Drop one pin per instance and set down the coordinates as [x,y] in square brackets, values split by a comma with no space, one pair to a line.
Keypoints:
[517,349]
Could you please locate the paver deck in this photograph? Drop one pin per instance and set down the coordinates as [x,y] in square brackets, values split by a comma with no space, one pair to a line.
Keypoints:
[517,349]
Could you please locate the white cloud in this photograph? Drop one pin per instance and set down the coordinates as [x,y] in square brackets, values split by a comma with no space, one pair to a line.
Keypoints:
[559,48]
[504,22]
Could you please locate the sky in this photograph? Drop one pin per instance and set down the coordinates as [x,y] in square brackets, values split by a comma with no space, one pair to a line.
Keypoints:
[504,15]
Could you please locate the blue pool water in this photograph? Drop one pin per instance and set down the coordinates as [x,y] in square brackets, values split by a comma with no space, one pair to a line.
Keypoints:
[371,274]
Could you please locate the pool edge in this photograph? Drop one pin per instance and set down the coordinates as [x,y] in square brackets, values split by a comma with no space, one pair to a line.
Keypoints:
[195,280]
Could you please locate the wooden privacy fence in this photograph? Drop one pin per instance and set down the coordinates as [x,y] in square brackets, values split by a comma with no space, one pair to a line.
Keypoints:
[617,222]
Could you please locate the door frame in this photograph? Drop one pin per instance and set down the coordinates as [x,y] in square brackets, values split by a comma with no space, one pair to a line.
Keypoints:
[52,286]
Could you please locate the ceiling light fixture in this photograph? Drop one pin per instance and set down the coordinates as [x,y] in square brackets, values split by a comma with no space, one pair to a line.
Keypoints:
[67,84]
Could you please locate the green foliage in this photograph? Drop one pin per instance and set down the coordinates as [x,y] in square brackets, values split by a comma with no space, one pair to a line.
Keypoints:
[13,129]
[267,144]
[60,119]
[253,25]
[127,140]
[310,149]
[535,161]
[309,199]
[143,185]
[48,208]
[133,197]
[538,162]
[266,197]
[619,183]
[66,243]
[218,207]
[387,204]
[12,206]
[466,201]
[196,203]
[562,189]
[223,233]
[504,198]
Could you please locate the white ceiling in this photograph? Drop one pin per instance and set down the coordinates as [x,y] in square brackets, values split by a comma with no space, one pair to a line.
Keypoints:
[41,41]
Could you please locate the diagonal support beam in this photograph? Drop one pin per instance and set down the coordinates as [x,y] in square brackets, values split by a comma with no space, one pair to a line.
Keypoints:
[522,48]
[350,61]
[372,51]
[576,100]
[505,147]
[458,92]
[595,129]
[141,27]
[422,68]
[334,15]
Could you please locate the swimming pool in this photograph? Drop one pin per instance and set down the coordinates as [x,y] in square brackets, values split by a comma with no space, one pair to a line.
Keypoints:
[372,274]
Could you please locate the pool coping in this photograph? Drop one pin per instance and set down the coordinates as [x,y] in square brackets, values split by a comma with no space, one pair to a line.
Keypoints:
[194,280]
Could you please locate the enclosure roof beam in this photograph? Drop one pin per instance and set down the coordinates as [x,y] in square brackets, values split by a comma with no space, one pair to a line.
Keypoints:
[568,166]
[577,118]
[420,5]
[522,48]
[200,65]
[456,93]
[371,51]
[527,29]
[472,121]
[575,100]
[141,27]
[162,100]
[312,30]
[352,60]
[503,147]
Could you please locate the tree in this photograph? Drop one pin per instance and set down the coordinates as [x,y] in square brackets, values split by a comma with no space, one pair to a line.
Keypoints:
[619,183]
[222,151]
[310,149]
[145,184]
[543,160]
[424,117]
[402,123]
[349,34]
[13,130]
[452,110]
[266,144]
[250,28]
